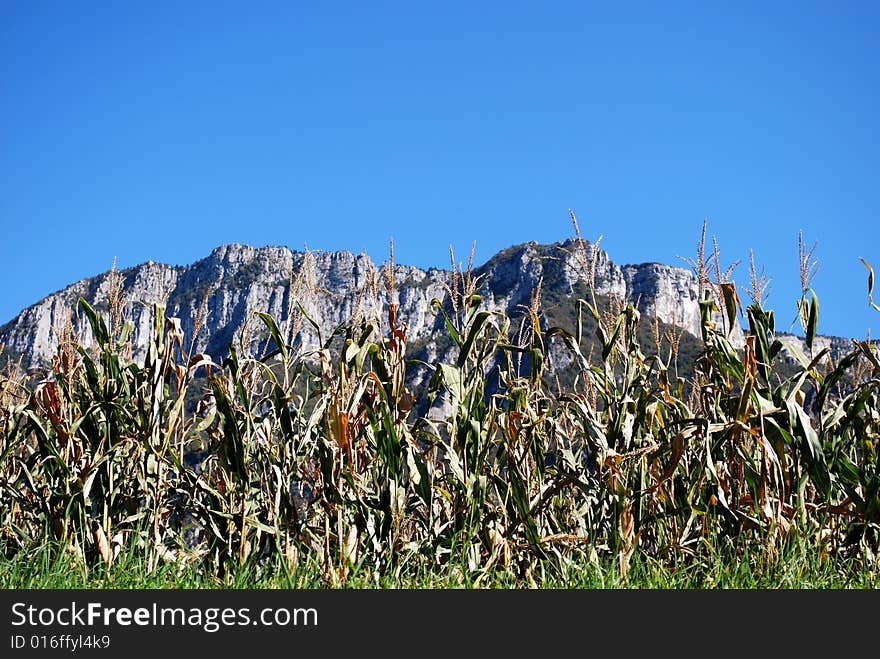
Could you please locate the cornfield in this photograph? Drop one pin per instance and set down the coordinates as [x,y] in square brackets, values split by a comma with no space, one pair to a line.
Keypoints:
[287,454]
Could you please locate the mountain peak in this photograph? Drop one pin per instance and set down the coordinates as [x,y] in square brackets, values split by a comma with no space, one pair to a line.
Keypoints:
[236,280]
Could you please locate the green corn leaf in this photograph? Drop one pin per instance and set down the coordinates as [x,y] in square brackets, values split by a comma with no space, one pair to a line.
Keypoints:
[834,377]
[579,330]
[795,351]
[454,463]
[125,332]
[310,320]
[803,312]
[521,502]
[812,320]
[816,463]
[572,344]
[450,327]
[274,332]
[257,524]
[707,308]
[731,303]
[473,333]
[776,431]
[93,473]
[537,358]
[452,379]
[233,444]
[99,327]
[205,423]
[46,443]
[608,345]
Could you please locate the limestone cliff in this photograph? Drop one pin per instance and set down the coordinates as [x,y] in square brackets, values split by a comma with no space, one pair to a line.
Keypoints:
[235,281]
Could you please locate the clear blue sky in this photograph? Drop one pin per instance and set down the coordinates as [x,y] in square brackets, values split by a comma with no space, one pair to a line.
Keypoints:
[158,130]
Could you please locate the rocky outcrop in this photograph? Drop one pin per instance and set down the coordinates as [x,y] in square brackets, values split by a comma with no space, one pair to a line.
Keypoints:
[218,295]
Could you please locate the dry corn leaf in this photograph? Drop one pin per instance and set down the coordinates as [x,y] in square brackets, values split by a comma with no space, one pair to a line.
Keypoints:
[101,542]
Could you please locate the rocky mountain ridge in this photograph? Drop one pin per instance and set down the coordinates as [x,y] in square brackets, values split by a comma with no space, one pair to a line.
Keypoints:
[218,294]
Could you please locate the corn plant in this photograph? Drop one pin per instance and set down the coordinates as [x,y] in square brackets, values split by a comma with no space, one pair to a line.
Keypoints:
[275,451]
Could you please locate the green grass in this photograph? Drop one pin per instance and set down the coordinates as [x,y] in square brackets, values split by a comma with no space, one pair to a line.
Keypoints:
[797,566]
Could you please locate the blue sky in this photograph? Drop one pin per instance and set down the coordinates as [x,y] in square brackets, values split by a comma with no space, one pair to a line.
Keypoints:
[156,131]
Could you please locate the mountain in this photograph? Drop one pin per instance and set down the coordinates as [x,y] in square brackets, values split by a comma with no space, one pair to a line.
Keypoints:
[219,293]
